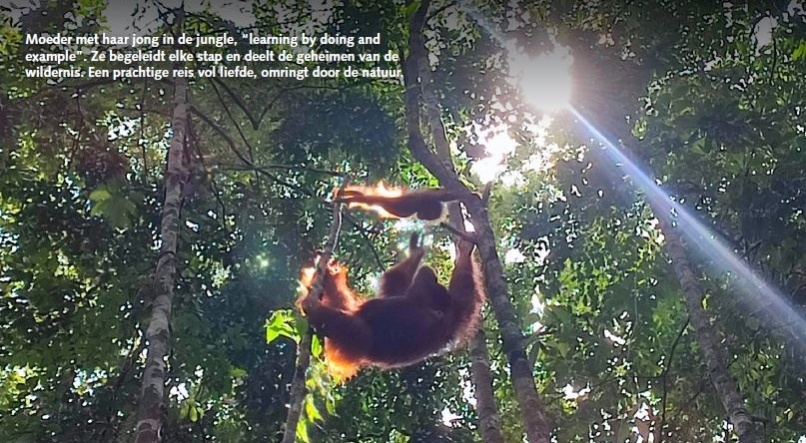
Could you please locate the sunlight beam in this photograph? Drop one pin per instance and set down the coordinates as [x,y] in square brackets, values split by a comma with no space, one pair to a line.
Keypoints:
[758,293]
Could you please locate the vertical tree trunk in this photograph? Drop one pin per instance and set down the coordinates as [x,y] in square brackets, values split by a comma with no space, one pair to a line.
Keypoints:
[535,418]
[152,396]
[707,335]
[487,410]
[489,418]
[536,422]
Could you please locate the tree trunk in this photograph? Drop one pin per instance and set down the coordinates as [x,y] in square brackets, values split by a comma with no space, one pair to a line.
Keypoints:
[707,334]
[152,396]
[489,418]
[487,410]
[538,429]
[535,418]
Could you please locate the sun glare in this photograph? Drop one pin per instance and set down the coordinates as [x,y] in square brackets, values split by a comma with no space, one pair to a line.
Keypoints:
[545,80]
[498,144]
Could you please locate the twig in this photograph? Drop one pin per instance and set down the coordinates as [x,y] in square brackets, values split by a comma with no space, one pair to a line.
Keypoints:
[240,103]
[234,121]
[142,123]
[363,232]
[218,129]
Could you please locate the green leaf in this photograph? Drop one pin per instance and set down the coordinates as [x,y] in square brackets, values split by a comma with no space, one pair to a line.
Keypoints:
[563,349]
[799,52]
[280,324]
[316,346]
[184,410]
[698,147]
[100,208]
[302,431]
[100,194]
[410,9]
[310,409]
[236,372]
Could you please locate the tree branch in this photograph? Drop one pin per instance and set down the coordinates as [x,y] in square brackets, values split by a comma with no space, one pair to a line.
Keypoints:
[298,390]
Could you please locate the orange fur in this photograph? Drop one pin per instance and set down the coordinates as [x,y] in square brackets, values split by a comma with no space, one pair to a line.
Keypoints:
[411,318]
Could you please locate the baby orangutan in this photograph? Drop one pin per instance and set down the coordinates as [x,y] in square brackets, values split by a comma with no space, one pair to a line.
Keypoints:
[426,204]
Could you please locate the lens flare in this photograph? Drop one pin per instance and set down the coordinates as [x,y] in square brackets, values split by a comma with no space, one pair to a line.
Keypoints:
[758,294]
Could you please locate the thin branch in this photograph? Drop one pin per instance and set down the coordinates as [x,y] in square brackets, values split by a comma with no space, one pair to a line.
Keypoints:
[665,374]
[234,122]
[260,170]
[341,87]
[298,390]
[485,194]
[79,131]
[218,129]
[142,123]
[282,182]
[275,166]
[419,149]
[240,103]
[194,140]
[364,233]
